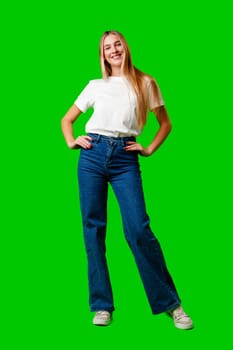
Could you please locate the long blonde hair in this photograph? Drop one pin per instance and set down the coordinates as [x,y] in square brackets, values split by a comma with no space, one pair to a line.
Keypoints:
[135,77]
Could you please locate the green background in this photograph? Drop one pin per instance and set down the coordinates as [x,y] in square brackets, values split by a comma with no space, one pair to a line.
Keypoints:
[49,53]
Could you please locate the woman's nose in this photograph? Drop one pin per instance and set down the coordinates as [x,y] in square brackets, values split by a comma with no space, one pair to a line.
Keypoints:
[114,50]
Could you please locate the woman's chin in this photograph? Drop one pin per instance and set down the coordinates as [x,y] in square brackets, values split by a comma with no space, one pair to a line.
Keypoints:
[116,63]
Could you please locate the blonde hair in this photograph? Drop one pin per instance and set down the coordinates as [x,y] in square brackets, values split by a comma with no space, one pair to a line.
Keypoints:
[135,77]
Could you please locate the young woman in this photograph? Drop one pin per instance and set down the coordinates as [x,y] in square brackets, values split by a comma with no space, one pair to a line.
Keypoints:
[109,154]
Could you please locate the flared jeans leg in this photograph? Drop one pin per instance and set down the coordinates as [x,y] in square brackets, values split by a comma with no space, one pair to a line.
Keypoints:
[93,199]
[158,284]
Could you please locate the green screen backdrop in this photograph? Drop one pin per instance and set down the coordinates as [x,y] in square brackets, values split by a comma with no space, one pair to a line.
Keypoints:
[49,53]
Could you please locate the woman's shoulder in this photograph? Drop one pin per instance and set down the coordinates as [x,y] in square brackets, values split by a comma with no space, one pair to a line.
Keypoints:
[93,83]
[96,81]
[148,78]
[150,82]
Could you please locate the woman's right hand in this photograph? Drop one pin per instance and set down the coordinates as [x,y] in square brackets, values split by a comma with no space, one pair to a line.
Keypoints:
[81,142]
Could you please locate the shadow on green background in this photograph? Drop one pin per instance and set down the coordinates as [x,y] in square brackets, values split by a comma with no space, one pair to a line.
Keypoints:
[50,52]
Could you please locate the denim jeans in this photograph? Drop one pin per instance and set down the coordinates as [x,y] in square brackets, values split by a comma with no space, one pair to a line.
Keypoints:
[107,162]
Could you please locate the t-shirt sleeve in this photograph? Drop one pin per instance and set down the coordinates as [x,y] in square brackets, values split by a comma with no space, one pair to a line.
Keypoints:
[85,99]
[154,96]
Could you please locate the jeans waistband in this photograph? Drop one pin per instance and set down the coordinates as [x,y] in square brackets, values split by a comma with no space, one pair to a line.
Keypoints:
[99,137]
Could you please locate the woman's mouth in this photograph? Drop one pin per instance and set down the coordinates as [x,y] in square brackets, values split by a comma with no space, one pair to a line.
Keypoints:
[114,57]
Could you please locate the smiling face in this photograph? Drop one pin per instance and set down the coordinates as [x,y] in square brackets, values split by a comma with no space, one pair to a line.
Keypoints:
[113,50]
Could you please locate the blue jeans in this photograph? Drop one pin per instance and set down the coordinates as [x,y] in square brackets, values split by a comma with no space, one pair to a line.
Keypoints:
[108,162]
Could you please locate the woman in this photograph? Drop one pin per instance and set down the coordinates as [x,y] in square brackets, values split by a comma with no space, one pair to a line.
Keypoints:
[109,154]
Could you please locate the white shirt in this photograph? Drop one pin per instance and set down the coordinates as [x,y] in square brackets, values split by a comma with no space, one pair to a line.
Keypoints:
[114,103]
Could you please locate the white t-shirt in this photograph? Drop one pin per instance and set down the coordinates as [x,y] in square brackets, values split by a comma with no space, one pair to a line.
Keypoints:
[114,103]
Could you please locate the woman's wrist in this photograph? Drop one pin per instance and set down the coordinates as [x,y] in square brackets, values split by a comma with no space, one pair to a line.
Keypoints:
[146,152]
[70,143]
[150,150]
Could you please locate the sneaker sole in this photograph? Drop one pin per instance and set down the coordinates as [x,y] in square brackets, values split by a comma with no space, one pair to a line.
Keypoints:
[184,327]
[99,323]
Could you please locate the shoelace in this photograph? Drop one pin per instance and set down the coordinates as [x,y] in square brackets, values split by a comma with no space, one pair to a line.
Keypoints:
[180,315]
[102,313]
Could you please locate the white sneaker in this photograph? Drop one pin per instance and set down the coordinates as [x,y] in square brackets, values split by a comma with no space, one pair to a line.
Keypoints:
[102,318]
[180,318]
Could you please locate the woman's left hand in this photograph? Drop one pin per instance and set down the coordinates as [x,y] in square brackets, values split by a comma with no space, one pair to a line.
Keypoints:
[134,146]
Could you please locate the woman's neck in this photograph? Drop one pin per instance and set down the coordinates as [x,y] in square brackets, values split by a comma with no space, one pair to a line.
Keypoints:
[116,72]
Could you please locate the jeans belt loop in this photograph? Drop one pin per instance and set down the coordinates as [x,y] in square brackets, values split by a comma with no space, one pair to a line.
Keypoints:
[98,138]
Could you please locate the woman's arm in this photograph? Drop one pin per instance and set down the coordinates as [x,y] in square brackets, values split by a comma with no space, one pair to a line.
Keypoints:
[160,136]
[67,128]
[164,129]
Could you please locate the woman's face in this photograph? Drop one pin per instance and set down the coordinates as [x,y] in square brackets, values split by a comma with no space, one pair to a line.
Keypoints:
[113,50]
